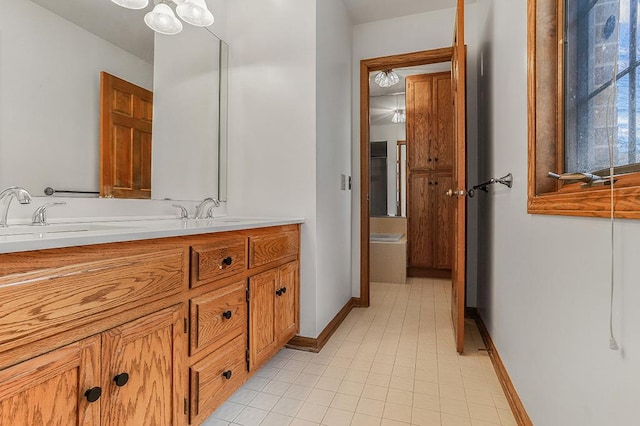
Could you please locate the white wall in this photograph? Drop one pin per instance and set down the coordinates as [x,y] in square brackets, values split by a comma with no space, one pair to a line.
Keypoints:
[392,133]
[50,98]
[272,122]
[411,34]
[186,114]
[333,158]
[547,308]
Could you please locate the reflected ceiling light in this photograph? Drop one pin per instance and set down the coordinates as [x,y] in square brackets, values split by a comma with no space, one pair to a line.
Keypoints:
[163,20]
[195,12]
[387,78]
[399,116]
[132,4]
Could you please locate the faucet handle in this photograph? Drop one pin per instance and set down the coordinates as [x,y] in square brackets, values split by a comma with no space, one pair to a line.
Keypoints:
[40,215]
[184,214]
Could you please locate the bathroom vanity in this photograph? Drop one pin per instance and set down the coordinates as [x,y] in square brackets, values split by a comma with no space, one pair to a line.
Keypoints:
[155,325]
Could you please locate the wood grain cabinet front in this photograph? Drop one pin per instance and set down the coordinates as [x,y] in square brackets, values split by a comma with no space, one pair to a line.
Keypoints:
[273,311]
[222,257]
[218,316]
[130,375]
[216,377]
[271,247]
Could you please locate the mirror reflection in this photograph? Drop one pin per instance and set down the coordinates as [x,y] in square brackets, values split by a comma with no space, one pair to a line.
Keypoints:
[50,96]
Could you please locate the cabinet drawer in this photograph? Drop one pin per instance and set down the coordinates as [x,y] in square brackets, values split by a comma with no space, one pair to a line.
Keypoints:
[42,303]
[209,386]
[265,249]
[218,315]
[218,259]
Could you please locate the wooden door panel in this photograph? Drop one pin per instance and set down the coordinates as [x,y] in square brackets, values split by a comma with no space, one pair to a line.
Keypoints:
[126,117]
[285,308]
[443,122]
[419,99]
[49,389]
[420,220]
[262,334]
[443,239]
[458,73]
[149,351]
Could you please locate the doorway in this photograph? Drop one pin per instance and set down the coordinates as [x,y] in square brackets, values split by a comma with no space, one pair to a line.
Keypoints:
[368,66]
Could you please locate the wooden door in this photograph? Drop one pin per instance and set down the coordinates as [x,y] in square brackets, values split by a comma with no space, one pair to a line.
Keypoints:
[149,351]
[50,389]
[126,117]
[286,321]
[458,82]
[443,226]
[262,334]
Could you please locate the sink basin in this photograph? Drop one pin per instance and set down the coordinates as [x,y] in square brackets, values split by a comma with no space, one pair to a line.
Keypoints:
[61,228]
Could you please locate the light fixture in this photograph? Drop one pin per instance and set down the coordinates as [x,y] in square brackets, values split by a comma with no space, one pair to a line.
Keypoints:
[387,78]
[132,4]
[399,116]
[163,20]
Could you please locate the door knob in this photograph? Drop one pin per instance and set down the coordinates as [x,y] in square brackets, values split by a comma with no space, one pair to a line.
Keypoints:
[458,192]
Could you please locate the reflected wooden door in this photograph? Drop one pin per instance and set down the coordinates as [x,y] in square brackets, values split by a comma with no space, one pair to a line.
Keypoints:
[126,115]
[458,83]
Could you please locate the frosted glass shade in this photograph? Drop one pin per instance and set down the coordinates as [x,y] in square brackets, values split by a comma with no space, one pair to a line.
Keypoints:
[132,4]
[399,116]
[162,20]
[195,12]
[386,78]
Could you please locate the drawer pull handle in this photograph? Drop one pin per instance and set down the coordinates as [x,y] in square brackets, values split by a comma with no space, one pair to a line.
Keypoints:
[227,261]
[121,379]
[227,314]
[93,394]
[227,374]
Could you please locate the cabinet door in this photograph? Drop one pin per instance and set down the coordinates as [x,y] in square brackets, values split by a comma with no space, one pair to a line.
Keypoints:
[149,351]
[443,238]
[286,303]
[262,334]
[420,220]
[50,389]
[442,122]
[419,100]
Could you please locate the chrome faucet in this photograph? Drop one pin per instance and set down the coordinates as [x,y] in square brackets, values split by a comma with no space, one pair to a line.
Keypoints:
[6,196]
[202,211]
[184,214]
[40,215]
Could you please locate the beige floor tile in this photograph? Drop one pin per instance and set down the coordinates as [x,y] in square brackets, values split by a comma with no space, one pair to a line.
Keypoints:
[484,413]
[298,392]
[402,397]
[351,388]
[454,407]
[425,417]
[402,383]
[328,383]
[335,372]
[345,402]
[389,422]
[301,422]
[426,402]
[321,396]
[427,388]
[275,419]
[337,417]
[287,406]
[397,412]
[359,376]
[507,418]
[451,420]
[311,412]
[378,379]
[371,407]
[365,420]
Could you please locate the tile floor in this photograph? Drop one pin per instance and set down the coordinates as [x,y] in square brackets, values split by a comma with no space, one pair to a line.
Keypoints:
[391,364]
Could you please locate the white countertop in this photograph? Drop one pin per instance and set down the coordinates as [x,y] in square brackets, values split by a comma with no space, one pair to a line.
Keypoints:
[17,238]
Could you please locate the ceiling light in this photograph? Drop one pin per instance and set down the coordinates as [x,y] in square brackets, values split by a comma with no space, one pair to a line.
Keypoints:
[399,116]
[163,20]
[132,4]
[195,12]
[387,78]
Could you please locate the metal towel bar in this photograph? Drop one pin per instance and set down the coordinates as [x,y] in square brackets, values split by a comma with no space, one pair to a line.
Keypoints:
[49,191]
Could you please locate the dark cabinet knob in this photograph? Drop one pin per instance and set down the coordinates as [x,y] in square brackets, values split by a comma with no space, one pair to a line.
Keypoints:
[93,394]
[429,160]
[279,292]
[227,314]
[227,261]
[436,158]
[121,379]
[430,183]
[227,374]
[435,183]
[283,290]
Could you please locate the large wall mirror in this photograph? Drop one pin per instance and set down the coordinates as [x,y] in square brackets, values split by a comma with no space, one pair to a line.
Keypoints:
[51,55]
